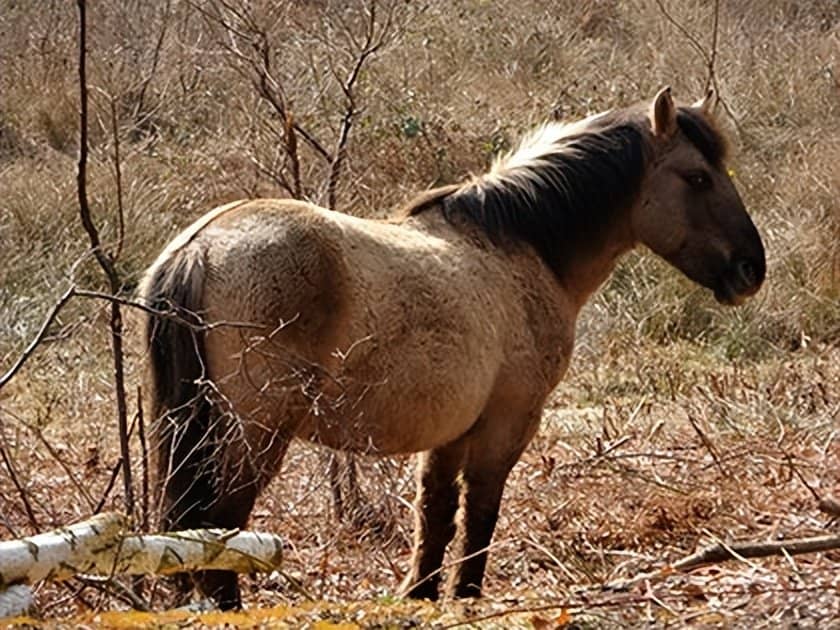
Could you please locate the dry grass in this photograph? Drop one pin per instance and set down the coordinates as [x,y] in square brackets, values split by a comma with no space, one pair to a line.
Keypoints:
[619,479]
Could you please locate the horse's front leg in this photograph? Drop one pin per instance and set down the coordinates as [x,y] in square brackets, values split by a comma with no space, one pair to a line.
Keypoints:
[437,501]
[493,451]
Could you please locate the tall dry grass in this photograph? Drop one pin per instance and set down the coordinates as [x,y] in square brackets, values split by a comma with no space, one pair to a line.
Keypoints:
[460,82]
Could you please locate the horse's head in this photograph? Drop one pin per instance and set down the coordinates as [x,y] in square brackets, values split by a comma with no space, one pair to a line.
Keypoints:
[689,212]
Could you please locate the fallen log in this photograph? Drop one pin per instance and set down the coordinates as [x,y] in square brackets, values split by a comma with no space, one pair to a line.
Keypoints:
[15,601]
[101,546]
[57,554]
[195,550]
[721,552]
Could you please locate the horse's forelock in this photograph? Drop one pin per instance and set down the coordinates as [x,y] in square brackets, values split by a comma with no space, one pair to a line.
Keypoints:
[703,134]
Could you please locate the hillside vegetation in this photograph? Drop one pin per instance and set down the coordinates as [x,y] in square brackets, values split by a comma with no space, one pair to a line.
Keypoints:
[680,422]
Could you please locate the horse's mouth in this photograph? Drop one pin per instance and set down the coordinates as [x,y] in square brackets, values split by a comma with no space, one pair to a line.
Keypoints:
[733,292]
[742,279]
[725,294]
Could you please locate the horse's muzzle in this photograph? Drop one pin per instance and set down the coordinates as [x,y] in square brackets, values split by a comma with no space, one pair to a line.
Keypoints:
[741,279]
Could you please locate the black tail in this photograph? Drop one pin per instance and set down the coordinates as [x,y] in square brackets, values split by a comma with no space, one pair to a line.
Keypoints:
[183,426]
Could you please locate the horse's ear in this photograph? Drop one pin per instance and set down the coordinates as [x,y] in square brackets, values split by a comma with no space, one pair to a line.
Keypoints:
[708,103]
[663,114]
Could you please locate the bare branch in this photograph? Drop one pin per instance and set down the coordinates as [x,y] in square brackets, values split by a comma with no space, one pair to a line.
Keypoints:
[707,443]
[42,333]
[274,174]
[24,496]
[112,479]
[105,260]
[801,477]
[292,151]
[241,26]
[118,180]
[144,461]
[74,291]
[144,86]
[708,57]
[196,323]
[102,257]
[721,552]
[682,29]
[82,490]
[711,79]
[373,42]
[115,588]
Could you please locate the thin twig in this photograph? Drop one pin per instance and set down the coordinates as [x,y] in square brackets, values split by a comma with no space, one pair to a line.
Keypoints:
[707,443]
[197,325]
[22,493]
[796,472]
[111,586]
[711,79]
[144,462]
[709,58]
[260,65]
[829,505]
[682,29]
[292,152]
[118,180]
[115,471]
[82,490]
[371,45]
[139,107]
[42,332]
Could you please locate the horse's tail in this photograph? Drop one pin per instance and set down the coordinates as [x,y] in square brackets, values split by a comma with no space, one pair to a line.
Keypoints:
[183,416]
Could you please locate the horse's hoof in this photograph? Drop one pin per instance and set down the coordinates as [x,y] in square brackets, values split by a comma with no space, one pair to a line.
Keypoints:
[424,589]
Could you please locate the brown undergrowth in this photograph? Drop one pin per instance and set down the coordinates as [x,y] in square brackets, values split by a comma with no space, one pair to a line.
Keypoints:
[606,491]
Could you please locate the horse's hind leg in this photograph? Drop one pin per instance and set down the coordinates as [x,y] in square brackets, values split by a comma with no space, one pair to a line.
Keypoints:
[492,455]
[228,511]
[244,478]
[187,473]
[437,501]
[216,507]
[214,482]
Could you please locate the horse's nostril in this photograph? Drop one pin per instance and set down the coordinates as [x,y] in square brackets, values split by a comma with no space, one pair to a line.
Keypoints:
[746,272]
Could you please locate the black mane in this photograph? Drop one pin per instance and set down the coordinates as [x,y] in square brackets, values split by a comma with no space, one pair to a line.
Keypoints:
[565,199]
[562,203]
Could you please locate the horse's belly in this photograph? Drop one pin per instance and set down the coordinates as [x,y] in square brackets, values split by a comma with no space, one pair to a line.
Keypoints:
[388,424]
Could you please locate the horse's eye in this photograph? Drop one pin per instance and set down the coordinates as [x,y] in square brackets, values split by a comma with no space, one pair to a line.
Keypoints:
[698,180]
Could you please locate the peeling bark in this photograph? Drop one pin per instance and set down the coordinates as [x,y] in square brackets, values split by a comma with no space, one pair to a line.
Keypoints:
[15,601]
[101,546]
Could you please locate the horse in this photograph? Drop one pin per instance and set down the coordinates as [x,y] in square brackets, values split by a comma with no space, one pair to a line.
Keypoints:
[441,330]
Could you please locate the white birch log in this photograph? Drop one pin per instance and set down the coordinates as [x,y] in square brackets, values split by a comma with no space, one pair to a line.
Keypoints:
[194,550]
[99,546]
[58,554]
[15,601]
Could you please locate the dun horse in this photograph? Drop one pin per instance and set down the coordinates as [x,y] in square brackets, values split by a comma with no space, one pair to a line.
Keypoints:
[440,331]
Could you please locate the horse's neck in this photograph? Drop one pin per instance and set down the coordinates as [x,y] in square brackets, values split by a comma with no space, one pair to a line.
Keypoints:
[581,275]
[580,272]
